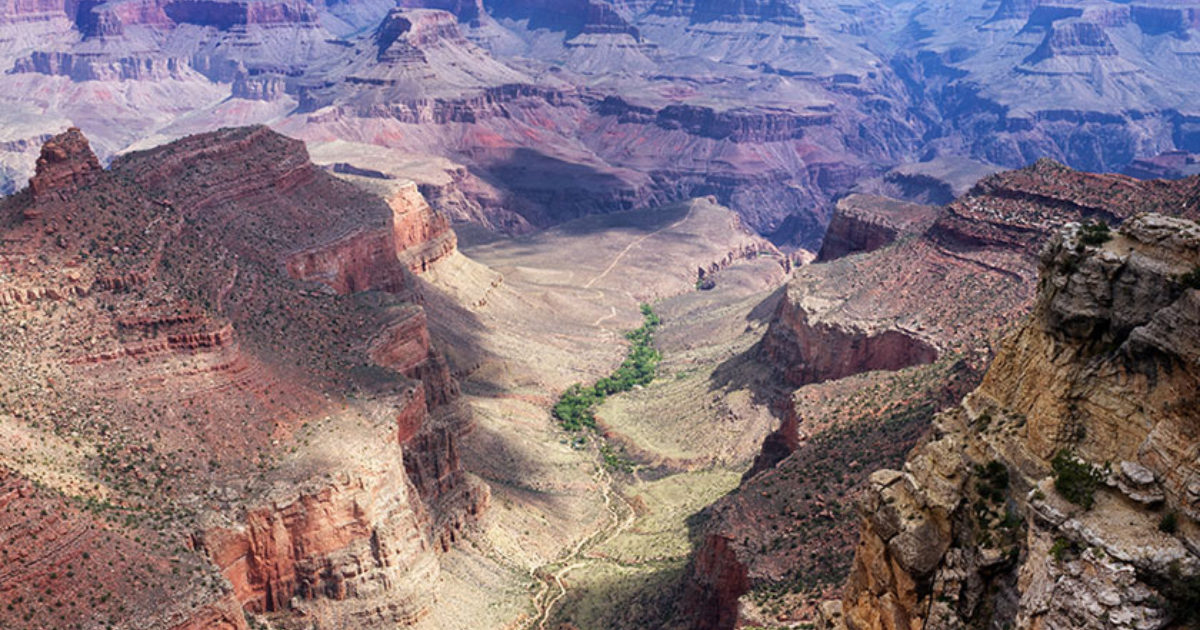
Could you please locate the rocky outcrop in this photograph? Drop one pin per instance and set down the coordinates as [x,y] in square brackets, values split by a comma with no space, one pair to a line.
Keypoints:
[1018,209]
[258,87]
[109,19]
[742,125]
[66,163]
[466,11]
[84,67]
[721,579]
[367,260]
[356,262]
[1168,165]
[1073,39]
[864,223]
[573,17]
[701,11]
[1159,20]
[422,235]
[402,35]
[1060,493]
[300,441]
[808,349]
[357,541]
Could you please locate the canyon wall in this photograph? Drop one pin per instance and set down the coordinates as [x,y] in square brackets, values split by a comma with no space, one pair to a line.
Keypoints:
[877,343]
[865,223]
[809,350]
[285,434]
[1060,494]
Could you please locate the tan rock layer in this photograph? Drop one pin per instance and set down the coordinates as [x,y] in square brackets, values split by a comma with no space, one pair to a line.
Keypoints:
[974,531]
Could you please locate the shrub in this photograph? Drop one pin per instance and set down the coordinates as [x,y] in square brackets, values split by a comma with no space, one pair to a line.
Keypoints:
[1191,279]
[1075,480]
[992,482]
[1063,549]
[1183,597]
[1169,524]
[574,408]
[1095,233]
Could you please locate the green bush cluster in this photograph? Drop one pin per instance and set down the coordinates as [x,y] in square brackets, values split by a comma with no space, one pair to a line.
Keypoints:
[615,459]
[1095,233]
[1169,523]
[1075,480]
[575,408]
[1191,279]
[992,481]
[1064,549]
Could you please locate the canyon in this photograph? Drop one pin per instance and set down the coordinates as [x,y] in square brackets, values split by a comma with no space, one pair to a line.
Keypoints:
[138,302]
[292,392]
[299,371]
[985,524]
[524,114]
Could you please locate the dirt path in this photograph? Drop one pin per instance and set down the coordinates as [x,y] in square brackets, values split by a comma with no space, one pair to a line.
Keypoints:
[634,243]
[611,315]
[553,589]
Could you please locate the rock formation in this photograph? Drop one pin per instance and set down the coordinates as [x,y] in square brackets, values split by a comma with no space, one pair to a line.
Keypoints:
[66,162]
[215,334]
[933,306]
[558,109]
[865,223]
[1062,492]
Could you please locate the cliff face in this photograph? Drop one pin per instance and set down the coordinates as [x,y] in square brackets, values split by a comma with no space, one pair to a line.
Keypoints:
[865,223]
[811,349]
[357,541]
[1062,493]
[282,435]
[856,334]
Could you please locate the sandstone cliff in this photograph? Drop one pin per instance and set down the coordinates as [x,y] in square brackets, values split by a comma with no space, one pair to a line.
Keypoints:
[1063,492]
[877,343]
[864,223]
[211,349]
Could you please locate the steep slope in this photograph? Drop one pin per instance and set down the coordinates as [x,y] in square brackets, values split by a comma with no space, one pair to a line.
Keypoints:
[546,111]
[1091,83]
[1061,493]
[874,357]
[211,374]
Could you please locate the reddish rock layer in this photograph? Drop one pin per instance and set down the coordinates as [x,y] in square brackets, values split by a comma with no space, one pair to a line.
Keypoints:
[66,163]
[864,223]
[811,352]
[197,371]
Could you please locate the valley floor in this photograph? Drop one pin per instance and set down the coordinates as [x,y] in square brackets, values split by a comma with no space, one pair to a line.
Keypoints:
[574,537]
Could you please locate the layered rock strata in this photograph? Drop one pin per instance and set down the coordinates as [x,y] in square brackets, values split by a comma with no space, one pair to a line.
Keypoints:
[952,292]
[1060,493]
[280,435]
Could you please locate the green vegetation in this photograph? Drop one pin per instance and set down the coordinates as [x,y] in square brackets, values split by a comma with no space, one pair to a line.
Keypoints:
[1064,549]
[575,409]
[992,482]
[1191,279]
[1169,524]
[1075,480]
[1095,233]
[615,460]
[1183,596]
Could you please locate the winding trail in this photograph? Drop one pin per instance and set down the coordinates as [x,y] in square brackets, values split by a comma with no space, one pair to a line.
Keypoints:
[612,314]
[634,243]
[553,589]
